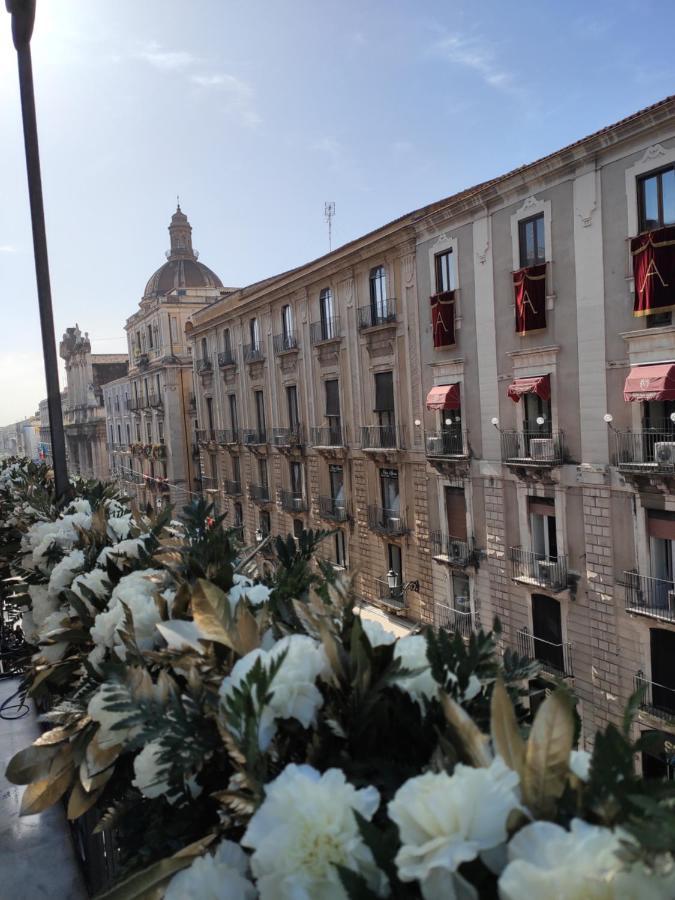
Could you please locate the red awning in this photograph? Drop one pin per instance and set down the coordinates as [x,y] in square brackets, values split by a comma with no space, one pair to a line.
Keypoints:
[650,383]
[536,384]
[443,396]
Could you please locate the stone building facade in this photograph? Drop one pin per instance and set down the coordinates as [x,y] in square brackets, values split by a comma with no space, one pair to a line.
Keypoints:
[161,460]
[479,397]
[83,411]
[118,426]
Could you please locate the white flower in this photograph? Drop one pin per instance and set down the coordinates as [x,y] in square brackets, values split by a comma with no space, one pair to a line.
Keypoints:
[412,651]
[149,775]
[182,634]
[119,527]
[550,863]
[41,603]
[96,658]
[377,635]
[64,572]
[295,694]
[28,627]
[107,735]
[445,820]
[129,549]
[136,591]
[95,581]
[303,829]
[220,876]
[256,594]
[79,505]
[580,764]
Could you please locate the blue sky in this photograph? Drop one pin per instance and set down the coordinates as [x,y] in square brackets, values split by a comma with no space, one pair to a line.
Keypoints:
[258,112]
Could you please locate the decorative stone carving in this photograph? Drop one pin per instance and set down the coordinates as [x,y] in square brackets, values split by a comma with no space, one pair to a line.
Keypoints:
[380,340]
[652,153]
[289,361]
[256,369]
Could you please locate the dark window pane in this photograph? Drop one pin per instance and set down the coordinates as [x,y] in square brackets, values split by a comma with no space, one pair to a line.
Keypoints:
[650,202]
[668,191]
[332,398]
[384,392]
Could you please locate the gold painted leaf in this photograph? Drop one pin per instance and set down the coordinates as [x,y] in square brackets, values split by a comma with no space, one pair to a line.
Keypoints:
[58,735]
[211,612]
[30,764]
[547,753]
[246,635]
[473,744]
[80,801]
[506,735]
[42,794]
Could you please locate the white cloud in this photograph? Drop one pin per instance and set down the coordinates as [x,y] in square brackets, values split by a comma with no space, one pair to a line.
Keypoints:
[238,94]
[166,60]
[8,248]
[474,54]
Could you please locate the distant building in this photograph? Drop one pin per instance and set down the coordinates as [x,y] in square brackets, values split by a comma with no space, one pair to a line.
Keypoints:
[83,413]
[118,426]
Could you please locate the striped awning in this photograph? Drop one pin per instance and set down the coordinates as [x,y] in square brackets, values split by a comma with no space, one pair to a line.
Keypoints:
[655,382]
[443,396]
[534,384]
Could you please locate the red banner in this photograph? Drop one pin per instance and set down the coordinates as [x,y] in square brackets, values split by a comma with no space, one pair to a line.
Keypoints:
[654,271]
[529,286]
[443,318]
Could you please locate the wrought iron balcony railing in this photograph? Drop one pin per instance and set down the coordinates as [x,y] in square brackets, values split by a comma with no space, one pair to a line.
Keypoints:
[389,596]
[252,437]
[532,448]
[233,488]
[259,493]
[203,365]
[287,437]
[657,699]
[292,501]
[386,521]
[326,330]
[253,353]
[134,403]
[225,436]
[209,483]
[382,313]
[206,435]
[283,343]
[382,437]
[226,358]
[452,550]
[650,596]
[555,658]
[335,510]
[154,400]
[645,451]
[445,444]
[457,618]
[327,436]
[538,569]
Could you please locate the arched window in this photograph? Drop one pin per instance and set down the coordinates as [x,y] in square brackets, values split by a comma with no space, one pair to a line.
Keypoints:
[254,328]
[378,295]
[287,326]
[227,344]
[327,315]
[205,349]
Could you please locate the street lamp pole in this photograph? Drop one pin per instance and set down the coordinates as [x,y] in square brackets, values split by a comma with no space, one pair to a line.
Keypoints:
[23,18]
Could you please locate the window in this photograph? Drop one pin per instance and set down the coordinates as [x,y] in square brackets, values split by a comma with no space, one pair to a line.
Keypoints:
[292,405]
[205,349]
[254,332]
[339,549]
[661,531]
[395,561]
[238,515]
[151,343]
[327,315]
[378,294]
[260,412]
[543,528]
[298,528]
[173,328]
[160,430]
[146,393]
[236,469]
[547,632]
[656,199]
[296,479]
[158,385]
[337,486]
[391,501]
[461,592]
[265,524]
[227,344]
[112,435]
[262,472]
[444,266]
[209,413]
[455,512]
[128,433]
[119,434]
[333,410]
[662,645]
[531,238]
[287,323]
[384,404]
[536,415]
[234,421]
[148,431]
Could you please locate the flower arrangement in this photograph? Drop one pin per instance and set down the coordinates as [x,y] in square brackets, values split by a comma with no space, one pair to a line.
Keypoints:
[246,733]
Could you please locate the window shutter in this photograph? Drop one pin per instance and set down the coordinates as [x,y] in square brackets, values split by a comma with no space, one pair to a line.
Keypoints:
[384,392]
[455,508]
[332,398]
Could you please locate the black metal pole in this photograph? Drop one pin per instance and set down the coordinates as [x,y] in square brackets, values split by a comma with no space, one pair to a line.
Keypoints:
[23,17]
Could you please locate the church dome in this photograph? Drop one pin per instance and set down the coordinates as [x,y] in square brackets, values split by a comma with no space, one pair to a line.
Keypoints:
[182,268]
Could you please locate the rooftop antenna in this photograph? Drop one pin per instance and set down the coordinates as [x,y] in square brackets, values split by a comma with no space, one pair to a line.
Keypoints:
[329,212]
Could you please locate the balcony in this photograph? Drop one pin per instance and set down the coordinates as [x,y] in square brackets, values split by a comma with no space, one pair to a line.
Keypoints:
[376,314]
[237,532]
[225,359]
[452,550]
[332,509]
[209,483]
[445,444]
[206,435]
[154,401]
[203,365]
[394,597]
[386,521]
[457,619]
[327,436]
[253,353]
[538,570]
[287,437]
[327,330]
[134,403]
[233,488]
[650,596]
[292,501]
[645,452]
[657,699]
[254,437]
[531,448]
[227,436]
[381,437]
[555,659]
[259,493]
[284,343]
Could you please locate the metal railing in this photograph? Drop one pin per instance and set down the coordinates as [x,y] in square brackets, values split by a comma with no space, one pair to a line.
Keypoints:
[645,451]
[205,435]
[134,403]
[382,313]
[445,443]
[327,436]
[330,508]
[227,436]
[232,487]
[326,330]
[386,521]
[657,699]
[252,437]
[282,343]
[650,596]
[451,549]
[389,596]
[203,365]
[259,493]
[292,501]
[155,400]
[226,358]
[253,353]
[532,448]
[536,568]
[554,658]
[287,437]
[209,483]
[458,618]
[382,437]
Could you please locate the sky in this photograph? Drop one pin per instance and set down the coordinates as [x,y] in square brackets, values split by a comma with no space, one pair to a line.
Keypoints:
[256,112]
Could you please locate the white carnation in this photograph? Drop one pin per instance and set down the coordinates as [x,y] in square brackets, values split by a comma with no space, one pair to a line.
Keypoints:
[580,764]
[95,581]
[412,651]
[119,527]
[256,594]
[377,635]
[550,863]
[217,876]
[150,776]
[79,505]
[64,572]
[446,820]
[135,591]
[61,533]
[295,694]
[129,549]
[304,828]
[41,603]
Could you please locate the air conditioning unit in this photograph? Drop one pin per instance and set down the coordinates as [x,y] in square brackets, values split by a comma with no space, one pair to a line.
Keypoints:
[664,452]
[542,449]
[393,523]
[456,550]
[544,567]
[434,445]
